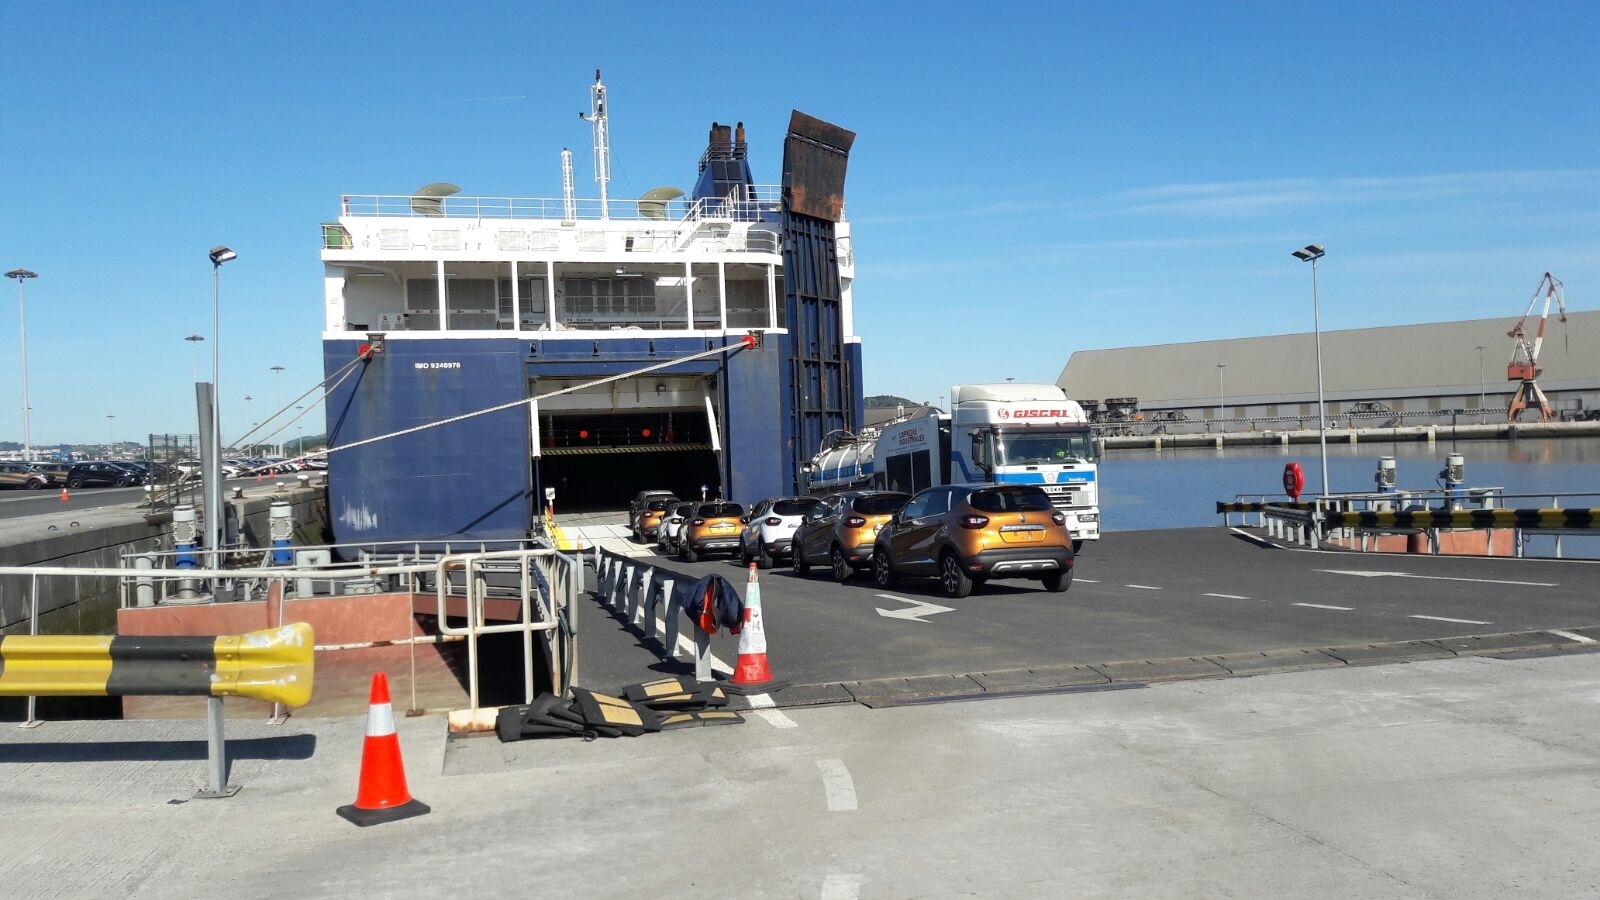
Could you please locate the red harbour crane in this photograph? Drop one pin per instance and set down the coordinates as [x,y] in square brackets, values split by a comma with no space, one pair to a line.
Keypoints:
[1524,365]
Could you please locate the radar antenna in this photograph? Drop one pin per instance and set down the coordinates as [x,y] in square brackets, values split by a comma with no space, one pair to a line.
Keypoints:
[602,139]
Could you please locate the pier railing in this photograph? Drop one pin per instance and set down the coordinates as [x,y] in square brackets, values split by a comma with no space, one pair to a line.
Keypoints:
[1358,517]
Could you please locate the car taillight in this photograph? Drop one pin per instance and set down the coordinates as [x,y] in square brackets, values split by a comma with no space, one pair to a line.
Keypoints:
[774,520]
[1058,518]
[974,521]
[698,522]
[854,522]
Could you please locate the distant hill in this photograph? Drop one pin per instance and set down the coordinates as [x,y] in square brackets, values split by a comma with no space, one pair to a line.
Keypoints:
[886,401]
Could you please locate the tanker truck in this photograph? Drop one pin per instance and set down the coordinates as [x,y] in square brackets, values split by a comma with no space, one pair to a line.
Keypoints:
[1008,433]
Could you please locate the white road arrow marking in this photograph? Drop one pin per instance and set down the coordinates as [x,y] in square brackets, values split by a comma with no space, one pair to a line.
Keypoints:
[1457,621]
[915,612]
[1436,578]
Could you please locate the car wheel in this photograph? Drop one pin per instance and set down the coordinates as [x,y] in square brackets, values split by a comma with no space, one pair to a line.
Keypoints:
[952,577]
[763,558]
[882,571]
[744,556]
[1077,547]
[37,484]
[687,554]
[75,483]
[122,482]
[638,536]
[1056,582]
[841,566]
[798,564]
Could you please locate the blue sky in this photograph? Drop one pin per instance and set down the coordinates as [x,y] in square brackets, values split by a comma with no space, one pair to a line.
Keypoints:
[1084,175]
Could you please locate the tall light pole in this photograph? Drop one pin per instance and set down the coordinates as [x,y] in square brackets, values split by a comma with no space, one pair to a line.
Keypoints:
[219,255]
[1482,413]
[194,354]
[1311,253]
[111,435]
[22,276]
[277,400]
[1222,399]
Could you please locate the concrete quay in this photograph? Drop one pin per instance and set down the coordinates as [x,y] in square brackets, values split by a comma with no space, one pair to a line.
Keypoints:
[1463,778]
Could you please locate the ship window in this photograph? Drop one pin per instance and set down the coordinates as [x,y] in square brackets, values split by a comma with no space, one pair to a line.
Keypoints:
[530,291]
[472,294]
[422,294]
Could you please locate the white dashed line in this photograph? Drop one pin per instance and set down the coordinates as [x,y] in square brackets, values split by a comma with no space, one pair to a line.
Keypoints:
[1325,606]
[1142,587]
[1086,580]
[1572,637]
[1457,621]
[1226,596]
[763,706]
[837,783]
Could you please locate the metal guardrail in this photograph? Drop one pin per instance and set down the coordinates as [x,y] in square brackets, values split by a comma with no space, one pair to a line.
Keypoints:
[761,199]
[634,589]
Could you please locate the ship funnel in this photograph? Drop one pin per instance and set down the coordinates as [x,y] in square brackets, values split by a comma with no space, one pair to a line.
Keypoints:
[428,199]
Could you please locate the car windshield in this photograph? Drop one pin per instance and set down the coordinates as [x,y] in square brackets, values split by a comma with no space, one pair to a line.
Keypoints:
[1017,448]
[796,507]
[716,510]
[879,504]
[1010,500]
[658,505]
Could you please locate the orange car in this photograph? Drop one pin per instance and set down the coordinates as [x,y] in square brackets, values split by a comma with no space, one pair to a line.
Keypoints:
[966,534]
[714,528]
[840,533]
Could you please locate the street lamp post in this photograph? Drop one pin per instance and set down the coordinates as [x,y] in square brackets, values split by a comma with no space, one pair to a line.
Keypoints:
[277,401]
[219,255]
[1482,412]
[111,435]
[21,276]
[1222,400]
[1311,253]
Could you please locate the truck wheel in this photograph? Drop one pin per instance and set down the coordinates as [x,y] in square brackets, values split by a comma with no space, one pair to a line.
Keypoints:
[1056,582]
[882,571]
[841,566]
[952,577]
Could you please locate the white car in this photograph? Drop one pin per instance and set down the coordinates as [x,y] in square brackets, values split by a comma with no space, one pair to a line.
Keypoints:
[672,527]
[769,529]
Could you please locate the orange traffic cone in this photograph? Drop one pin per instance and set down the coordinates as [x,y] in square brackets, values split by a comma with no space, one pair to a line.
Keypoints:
[65,496]
[382,795]
[752,675]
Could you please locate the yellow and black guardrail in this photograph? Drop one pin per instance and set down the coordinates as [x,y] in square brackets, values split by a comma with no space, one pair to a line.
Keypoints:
[274,665]
[1528,519]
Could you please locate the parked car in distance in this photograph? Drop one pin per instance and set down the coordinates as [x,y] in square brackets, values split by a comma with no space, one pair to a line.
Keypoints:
[101,473]
[672,526]
[639,500]
[841,532]
[769,528]
[967,534]
[56,469]
[714,528]
[21,475]
[647,521]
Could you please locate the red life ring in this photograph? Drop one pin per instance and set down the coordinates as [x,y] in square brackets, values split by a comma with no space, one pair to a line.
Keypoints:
[1294,481]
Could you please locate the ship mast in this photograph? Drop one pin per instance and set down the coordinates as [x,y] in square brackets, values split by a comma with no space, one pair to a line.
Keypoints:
[602,139]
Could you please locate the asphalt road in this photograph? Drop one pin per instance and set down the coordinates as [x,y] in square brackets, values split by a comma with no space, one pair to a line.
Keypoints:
[1136,596]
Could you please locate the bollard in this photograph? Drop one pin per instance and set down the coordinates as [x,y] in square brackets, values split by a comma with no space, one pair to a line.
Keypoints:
[280,528]
[185,534]
[144,586]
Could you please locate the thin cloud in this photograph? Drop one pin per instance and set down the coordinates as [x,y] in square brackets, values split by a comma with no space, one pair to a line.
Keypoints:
[1247,197]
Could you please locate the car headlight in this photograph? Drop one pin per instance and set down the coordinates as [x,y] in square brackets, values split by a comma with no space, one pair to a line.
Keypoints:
[1089,518]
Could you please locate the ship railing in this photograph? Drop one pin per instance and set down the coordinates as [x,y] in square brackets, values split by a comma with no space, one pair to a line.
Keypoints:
[758,203]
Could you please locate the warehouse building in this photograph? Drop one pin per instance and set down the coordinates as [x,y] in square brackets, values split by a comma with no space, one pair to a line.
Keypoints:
[1408,374]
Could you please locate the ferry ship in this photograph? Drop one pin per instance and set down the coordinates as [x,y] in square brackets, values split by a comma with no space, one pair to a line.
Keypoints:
[490,357]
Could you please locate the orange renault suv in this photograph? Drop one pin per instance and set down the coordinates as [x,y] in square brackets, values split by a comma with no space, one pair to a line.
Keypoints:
[839,533]
[966,534]
[714,528]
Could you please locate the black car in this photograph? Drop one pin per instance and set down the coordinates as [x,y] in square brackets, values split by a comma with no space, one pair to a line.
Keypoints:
[101,473]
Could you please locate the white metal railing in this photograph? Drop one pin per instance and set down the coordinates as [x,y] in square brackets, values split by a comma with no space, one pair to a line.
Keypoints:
[546,588]
[761,200]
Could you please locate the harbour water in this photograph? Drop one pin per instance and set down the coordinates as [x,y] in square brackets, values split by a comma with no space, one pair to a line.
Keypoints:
[1150,489]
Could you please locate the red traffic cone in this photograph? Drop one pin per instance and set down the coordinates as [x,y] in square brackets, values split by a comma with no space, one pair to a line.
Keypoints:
[752,675]
[382,795]
[65,496]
